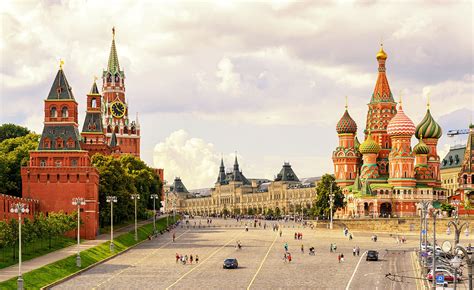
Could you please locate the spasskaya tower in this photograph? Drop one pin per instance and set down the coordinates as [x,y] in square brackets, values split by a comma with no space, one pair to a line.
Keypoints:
[119,127]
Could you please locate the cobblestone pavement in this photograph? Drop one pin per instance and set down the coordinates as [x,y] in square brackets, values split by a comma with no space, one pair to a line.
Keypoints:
[152,265]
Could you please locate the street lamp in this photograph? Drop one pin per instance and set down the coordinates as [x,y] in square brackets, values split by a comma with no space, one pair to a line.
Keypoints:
[111,199]
[469,263]
[78,201]
[135,197]
[458,226]
[19,208]
[154,197]
[456,263]
[331,201]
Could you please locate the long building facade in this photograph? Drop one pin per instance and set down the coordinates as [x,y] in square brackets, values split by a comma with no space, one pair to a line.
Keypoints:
[385,176]
[234,194]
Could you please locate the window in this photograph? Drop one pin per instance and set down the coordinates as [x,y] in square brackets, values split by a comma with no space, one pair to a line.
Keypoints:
[74,162]
[58,163]
[53,112]
[94,103]
[70,143]
[46,143]
[59,143]
[43,162]
[64,112]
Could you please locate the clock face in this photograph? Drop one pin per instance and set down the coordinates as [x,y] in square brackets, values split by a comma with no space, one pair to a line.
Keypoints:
[118,109]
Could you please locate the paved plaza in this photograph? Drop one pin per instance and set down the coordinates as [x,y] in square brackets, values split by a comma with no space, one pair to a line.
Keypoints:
[261,265]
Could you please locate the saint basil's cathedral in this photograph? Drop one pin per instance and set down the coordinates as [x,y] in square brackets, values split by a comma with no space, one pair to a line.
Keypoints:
[60,169]
[385,176]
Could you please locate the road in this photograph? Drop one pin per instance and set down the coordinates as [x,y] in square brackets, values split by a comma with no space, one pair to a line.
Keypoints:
[152,264]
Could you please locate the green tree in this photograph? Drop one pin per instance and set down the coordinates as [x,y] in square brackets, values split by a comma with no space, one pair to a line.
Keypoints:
[447,208]
[270,212]
[321,205]
[277,212]
[8,131]
[14,153]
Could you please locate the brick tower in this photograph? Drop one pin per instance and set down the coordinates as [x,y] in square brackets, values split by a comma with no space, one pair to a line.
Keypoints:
[115,111]
[59,169]
[346,157]
[382,108]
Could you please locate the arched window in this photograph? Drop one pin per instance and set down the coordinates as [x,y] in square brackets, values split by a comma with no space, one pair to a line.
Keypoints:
[94,103]
[109,129]
[464,178]
[116,129]
[53,112]
[46,143]
[59,143]
[64,112]
[109,78]
[117,78]
[125,130]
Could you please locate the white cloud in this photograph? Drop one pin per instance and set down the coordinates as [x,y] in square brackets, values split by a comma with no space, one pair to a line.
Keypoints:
[229,80]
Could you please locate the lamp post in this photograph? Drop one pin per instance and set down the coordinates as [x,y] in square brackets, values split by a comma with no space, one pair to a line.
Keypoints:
[434,250]
[331,202]
[469,263]
[135,197]
[154,197]
[111,199]
[424,205]
[78,201]
[19,208]
[458,226]
[456,263]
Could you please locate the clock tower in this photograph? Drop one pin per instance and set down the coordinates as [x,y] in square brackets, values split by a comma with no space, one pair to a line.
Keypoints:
[115,108]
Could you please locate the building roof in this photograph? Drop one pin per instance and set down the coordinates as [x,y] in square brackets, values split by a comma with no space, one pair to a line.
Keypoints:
[94,89]
[113,66]
[454,158]
[428,128]
[382,91]
[346,124]
[401,125]
[64,132]
[369,146]
[286,173]
[60,90]
[421,148]
[93,123]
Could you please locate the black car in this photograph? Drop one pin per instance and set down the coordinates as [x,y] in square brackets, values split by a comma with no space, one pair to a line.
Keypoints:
[372,256]
[230,264]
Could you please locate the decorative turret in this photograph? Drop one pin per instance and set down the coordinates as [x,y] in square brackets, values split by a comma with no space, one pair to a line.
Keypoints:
[221,177]
[346,124]
[356,143]
[401,158]
[421,147]
[369,146]
[286,173]
[422,172]
[428,127]
[369,149]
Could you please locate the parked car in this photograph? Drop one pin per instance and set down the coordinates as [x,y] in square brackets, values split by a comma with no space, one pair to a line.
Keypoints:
[231,263]
[372,256]
[448,275]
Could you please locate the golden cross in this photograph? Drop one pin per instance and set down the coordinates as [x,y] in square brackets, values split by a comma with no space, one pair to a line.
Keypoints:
[61,63]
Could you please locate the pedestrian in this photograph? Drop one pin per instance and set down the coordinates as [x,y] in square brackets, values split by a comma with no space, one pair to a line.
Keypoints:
[191,259]
[350,236]
[289,258]
[342,257]
[185,259]
[197,259]
[302,249]
[358,251]
[286,247]
[174,236]
[284,257]
[330,248]
[354,251]
[177,257]
[339,258]
[280,233]
[296,235]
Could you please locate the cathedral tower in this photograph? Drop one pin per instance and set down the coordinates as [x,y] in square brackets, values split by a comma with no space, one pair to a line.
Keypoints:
[346,157]
[116,114]
[382,108]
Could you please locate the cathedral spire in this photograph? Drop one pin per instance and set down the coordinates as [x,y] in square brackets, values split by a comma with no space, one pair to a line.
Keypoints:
[113,64]
[382,91]
[236,163]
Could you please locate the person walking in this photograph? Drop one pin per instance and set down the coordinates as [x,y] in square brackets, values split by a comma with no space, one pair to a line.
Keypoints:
[302,249]
[354,251]
[197,259]
[286,247]
[358,251]
[330,248]
[280,232]
[289,258]
[339,258]
[284,257]
[191,259]
[350,236]
[342,257]
[174,236]
[296,235]
[177,257]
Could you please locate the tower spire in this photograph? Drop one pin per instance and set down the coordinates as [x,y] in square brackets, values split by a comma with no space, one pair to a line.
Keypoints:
[113,65]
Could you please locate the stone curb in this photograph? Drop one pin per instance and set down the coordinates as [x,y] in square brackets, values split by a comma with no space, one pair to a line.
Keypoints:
[62,280]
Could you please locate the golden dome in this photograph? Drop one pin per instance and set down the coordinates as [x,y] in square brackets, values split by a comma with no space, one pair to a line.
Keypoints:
[381,54]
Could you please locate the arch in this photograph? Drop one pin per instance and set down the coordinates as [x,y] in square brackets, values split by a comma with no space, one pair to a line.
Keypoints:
[464,178]
[53,112]
[109,78]
[385,209]
[59,143]
[64,112]
[117,78]
[46,143]
[125,130]
[109,129]
[116,129]
[94,103]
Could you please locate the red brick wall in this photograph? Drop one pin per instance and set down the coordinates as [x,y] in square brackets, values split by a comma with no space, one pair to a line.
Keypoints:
[7,201]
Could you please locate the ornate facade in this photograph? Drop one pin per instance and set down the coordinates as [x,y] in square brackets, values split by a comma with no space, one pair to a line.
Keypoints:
[465,192]
[233,193]
[384,175]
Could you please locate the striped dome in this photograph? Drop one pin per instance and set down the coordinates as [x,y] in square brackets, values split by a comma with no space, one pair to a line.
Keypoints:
[428,128]
[421,148]
[369,146]
[400,125]
[346,124]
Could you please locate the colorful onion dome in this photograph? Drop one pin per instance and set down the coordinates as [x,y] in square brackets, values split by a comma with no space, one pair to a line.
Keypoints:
[346,124]
[428,127]
[356,143]
[421,147]
[369,146]
[400,125]
[381,54]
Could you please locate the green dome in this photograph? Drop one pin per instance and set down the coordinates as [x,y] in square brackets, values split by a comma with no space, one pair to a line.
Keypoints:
[428,128]
[369,146]
[356,143]
[421,148]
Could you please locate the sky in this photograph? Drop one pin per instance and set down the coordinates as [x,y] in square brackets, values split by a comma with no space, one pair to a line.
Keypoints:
[264,80]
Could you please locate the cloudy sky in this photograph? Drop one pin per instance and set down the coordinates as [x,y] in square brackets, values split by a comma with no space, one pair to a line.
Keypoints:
[266,80]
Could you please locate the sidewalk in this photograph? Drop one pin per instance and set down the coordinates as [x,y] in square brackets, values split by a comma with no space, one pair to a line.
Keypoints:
[27,266]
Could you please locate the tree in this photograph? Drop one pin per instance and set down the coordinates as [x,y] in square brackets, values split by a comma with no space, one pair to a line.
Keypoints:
[14,153]
[447,208]
[8,131]
[122,177]
[321,205]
